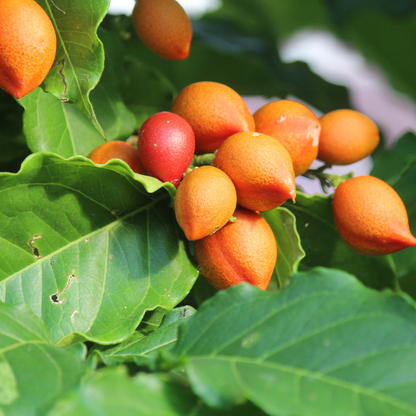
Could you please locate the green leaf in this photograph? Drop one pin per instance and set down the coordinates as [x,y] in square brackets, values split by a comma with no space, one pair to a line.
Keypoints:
[273,19]
[324,247]
[79,59]
[90,248]
[111,392]
[325,345]
[344,9]
[146,90]
[152,320]
[139,346]
[33,372]
[114,117]
[54,126]
[289,249]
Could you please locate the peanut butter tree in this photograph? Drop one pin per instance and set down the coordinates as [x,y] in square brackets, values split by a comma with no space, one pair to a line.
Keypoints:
[103,306]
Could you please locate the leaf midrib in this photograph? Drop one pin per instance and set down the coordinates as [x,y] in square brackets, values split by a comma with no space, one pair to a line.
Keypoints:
[311,374]
[89,235]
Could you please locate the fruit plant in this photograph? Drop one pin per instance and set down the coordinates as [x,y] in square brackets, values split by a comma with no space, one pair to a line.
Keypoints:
[121,293]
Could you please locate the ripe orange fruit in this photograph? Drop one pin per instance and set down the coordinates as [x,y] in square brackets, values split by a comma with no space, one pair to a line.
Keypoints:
[347,136]
[204,202]
[295,126]
[164,27]
[214,111]
[27,46]
[370,217]
[260,168]
[118,150]
[241,251]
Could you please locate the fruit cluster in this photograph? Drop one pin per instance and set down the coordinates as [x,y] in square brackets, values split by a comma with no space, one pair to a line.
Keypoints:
[254,157]
[253,160]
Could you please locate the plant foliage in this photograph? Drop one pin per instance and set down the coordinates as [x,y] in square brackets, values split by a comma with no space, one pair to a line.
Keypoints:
[102,311]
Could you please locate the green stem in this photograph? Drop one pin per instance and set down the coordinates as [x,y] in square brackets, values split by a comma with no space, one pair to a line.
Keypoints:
[327,180]
[202,160]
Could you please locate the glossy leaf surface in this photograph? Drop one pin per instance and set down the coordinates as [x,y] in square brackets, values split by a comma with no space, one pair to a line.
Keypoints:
[87,257]
[325,345]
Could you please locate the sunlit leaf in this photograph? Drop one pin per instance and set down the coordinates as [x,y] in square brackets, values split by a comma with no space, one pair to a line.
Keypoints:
[325,345]
[89,249]
[79,59]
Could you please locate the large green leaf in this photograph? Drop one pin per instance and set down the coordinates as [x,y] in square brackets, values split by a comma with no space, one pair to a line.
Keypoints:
[324,247]
[289,249]
[140,345]
[33,372]
[53,126]
[89,249]
[325,345]
[79,59]
[61,127]
[111,392]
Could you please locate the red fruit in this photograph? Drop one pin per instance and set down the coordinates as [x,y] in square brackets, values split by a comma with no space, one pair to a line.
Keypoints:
[166,146]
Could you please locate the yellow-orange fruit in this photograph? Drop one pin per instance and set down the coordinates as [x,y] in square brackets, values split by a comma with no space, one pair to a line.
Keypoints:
[347,136]
[260,168]
[370,217]
[241,251]
[295,126]
[204,202]
[215,112]
[27,46]
[118,150]
[164,27]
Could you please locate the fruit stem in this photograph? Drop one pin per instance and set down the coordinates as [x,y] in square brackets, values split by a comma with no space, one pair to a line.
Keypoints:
[202,160]
[327,180]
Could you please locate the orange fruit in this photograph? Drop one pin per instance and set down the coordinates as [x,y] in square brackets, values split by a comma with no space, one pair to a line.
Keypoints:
[118,150]
[164,27]
[260,168]
[214,111]
[27,46]
[295,126]
[371,217]
[204,202]
[347,136]
[241,251]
